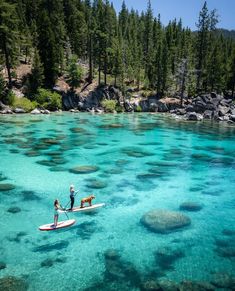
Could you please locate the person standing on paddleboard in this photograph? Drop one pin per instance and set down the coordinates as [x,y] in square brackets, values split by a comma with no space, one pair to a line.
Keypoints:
[56,213]
[72,196]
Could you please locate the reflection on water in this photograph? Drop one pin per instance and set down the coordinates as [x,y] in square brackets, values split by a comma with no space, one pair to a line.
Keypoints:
[134,163]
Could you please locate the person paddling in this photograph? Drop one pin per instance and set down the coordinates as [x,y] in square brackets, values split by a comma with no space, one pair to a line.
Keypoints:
[56,213]
[72,196]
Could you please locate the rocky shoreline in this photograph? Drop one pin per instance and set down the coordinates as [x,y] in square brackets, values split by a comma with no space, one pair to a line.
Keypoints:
[206,106]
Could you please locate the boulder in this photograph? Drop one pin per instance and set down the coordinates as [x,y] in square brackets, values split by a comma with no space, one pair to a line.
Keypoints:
[35,111]
[14,209]
[180,111]
[190,108]
[153,107]
[223,110]
[128,106]
[210,106]
[46,111]
[164,221]
[194,116]
[206,98]
[2,265]
[200,107]
[6,111]
[196,286]
[166,256]
[190,206]
[213,95]
[232,117]
[151,285]
[11,283]
[6,187]
[84,169]
[19,110]
[162,106]
[208,114]
[223,280]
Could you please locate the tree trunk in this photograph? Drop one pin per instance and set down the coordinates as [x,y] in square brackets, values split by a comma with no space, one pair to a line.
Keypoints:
[99,78]
[105,68]
[233,87]
[8,66]
[90,76]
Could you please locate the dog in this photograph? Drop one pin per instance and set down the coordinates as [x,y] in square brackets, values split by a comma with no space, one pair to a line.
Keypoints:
[87,199]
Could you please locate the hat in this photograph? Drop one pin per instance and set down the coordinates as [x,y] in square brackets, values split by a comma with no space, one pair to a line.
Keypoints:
[71,186]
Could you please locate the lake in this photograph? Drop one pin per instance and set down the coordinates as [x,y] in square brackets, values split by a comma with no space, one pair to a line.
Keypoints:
[135,163]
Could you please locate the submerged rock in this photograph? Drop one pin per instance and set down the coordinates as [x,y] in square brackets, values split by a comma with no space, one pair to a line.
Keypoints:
[2,265]
[14,209]
[47,263]
[6,187]
[166,256]
[11,283]
[190,206]
[164,221]
[196,286]
[96,184]
[151,285]
[84,169]
[228,232]
[46,163]
[136,152]
[223,280]
[30,195]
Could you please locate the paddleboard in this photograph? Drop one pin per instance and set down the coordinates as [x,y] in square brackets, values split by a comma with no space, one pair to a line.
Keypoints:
[60,224]
[83,209]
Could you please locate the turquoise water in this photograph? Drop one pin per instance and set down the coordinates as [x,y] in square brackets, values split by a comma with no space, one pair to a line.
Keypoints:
[145,162]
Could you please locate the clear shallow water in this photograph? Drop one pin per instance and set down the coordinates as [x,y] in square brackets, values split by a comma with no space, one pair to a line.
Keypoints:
[145,162]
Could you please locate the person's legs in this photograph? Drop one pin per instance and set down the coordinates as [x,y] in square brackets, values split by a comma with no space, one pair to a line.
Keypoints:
[55,220]
[72,202]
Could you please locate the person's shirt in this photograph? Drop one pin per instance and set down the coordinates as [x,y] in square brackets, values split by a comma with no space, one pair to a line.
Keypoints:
[72,192]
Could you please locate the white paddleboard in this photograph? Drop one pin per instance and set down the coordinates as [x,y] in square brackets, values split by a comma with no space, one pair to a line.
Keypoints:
[83,209]
[60,224]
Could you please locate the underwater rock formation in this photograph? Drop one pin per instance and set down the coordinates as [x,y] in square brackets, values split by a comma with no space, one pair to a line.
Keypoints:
[164,221]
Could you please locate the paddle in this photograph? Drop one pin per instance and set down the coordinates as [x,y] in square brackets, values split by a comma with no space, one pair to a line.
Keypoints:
[64,211]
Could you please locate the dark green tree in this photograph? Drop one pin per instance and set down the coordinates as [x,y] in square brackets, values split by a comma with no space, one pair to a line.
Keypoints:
[9,36]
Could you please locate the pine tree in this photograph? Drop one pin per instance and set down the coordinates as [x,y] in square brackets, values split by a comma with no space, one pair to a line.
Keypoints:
[74,73]
[206,24]
[37,77]
[9,36]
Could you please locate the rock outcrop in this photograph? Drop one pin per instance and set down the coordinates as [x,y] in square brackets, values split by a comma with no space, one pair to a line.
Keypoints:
[164,221]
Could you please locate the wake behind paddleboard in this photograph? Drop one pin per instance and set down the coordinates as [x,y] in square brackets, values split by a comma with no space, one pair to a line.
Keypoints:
[83,209]
[60,224]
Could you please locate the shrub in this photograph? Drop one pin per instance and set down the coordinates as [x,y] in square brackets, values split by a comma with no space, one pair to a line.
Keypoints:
[138,108]
[48,99]
[109,105]
[119,108]
[75,73]
[9,98]
[25,104]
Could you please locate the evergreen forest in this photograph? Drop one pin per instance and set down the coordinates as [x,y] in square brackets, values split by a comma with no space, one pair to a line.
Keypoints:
[131,47]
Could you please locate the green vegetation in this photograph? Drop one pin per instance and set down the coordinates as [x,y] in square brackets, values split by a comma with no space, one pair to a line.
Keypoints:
[138,109]
[131,49]
[109,105]
[25,104]
[9,98]
[48,99]
[74,73]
